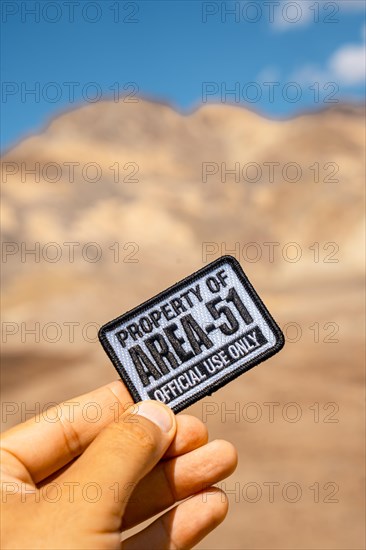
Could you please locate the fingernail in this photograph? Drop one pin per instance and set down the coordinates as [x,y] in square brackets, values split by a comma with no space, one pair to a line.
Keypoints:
[157,413]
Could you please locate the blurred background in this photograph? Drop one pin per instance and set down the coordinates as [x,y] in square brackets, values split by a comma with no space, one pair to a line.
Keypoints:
[142,140]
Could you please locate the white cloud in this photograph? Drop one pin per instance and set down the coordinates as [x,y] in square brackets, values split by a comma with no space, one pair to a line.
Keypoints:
[351,5]
[346,67]
[269,74]
[348,64]
[308,74]
[292,15]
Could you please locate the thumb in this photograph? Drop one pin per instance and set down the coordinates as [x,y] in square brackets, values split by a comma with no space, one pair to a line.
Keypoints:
[122,454]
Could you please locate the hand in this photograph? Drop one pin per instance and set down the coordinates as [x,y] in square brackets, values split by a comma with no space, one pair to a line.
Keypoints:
[81,473]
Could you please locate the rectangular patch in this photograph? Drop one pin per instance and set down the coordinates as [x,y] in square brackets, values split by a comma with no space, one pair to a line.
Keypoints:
[192,338]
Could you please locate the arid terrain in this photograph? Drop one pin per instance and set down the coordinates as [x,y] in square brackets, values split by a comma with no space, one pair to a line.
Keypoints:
[127,198]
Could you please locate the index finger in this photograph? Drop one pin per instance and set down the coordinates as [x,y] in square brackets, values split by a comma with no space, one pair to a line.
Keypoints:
[46,443]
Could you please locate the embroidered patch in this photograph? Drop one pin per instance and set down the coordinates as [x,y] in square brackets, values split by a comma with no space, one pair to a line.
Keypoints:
[192,338]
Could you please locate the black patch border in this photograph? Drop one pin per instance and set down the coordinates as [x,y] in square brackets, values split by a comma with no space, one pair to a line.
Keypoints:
[240,369]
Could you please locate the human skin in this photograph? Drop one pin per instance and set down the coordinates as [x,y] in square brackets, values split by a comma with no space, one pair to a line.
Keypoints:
[74,484]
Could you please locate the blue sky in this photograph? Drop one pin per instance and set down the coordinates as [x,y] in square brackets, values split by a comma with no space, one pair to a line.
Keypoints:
[277,57]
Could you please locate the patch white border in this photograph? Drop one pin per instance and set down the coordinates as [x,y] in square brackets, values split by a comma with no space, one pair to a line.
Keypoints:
[258,311]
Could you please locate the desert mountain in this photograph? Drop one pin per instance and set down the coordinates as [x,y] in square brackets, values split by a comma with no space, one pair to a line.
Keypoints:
[161,184]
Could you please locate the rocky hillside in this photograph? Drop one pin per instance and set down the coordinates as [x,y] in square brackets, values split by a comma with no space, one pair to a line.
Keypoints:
[160,185]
